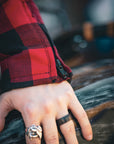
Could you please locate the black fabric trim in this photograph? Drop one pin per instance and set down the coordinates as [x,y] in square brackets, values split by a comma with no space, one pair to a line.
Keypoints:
[6,85]
[46,33]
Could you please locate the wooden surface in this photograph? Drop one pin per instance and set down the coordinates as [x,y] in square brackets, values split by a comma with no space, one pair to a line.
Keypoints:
[94,86]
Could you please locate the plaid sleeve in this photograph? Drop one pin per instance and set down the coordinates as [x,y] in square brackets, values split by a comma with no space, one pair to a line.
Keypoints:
[2,1]
[28,56]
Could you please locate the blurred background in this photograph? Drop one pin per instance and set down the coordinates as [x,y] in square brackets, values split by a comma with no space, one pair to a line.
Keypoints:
[83,30]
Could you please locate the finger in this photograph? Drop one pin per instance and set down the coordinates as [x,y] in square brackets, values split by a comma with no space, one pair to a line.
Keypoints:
[32,141]
[82,118]
[50,130]
[68,130]
[31,117]
[5,108]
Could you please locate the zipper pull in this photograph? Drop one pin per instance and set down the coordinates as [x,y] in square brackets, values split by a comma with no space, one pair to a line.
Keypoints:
[60,69]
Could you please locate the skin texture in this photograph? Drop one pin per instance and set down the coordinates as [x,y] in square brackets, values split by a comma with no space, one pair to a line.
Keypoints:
[42,105]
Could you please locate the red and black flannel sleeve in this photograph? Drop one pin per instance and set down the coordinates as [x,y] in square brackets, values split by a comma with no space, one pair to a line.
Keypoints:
[28,56]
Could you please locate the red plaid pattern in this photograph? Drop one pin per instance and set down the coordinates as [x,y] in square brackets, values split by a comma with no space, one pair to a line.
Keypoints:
[27,54]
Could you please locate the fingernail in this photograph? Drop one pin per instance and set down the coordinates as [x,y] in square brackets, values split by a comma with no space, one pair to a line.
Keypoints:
[90,137]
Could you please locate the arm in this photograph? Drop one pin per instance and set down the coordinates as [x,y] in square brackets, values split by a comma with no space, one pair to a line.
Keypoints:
[28,57]
[32,75]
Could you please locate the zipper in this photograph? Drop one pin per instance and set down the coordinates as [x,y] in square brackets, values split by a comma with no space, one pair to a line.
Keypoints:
[59,66]
[60,69]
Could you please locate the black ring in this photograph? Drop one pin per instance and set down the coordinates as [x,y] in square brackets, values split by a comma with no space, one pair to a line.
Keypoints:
[63,119]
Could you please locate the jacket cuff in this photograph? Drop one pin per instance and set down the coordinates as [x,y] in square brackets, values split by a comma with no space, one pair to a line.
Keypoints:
[29,68]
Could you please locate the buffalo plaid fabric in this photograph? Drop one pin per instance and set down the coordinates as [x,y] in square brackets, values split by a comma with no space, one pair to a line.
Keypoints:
[28,56]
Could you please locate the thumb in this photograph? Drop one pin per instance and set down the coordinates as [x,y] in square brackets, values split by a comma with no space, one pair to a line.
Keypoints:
[5,108]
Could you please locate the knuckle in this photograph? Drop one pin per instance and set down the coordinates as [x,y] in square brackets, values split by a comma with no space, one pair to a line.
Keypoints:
[5,105]
[70,129]
[69,94]
[83,115]
[88,127]
[47,107]
[59,101]
[52,139]
[30,109]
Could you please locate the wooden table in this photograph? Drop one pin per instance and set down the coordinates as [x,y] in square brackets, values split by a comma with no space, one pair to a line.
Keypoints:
[94,86]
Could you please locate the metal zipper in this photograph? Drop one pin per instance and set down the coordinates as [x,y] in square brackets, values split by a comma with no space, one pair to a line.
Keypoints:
[60,69]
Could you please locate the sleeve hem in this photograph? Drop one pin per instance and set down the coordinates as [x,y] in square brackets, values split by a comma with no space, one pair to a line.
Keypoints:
[5,87]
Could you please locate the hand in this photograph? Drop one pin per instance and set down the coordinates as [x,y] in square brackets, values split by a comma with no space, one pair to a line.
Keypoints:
[43,105]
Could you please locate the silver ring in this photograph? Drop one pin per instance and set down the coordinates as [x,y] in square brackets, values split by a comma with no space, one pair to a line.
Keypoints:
[34,131]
